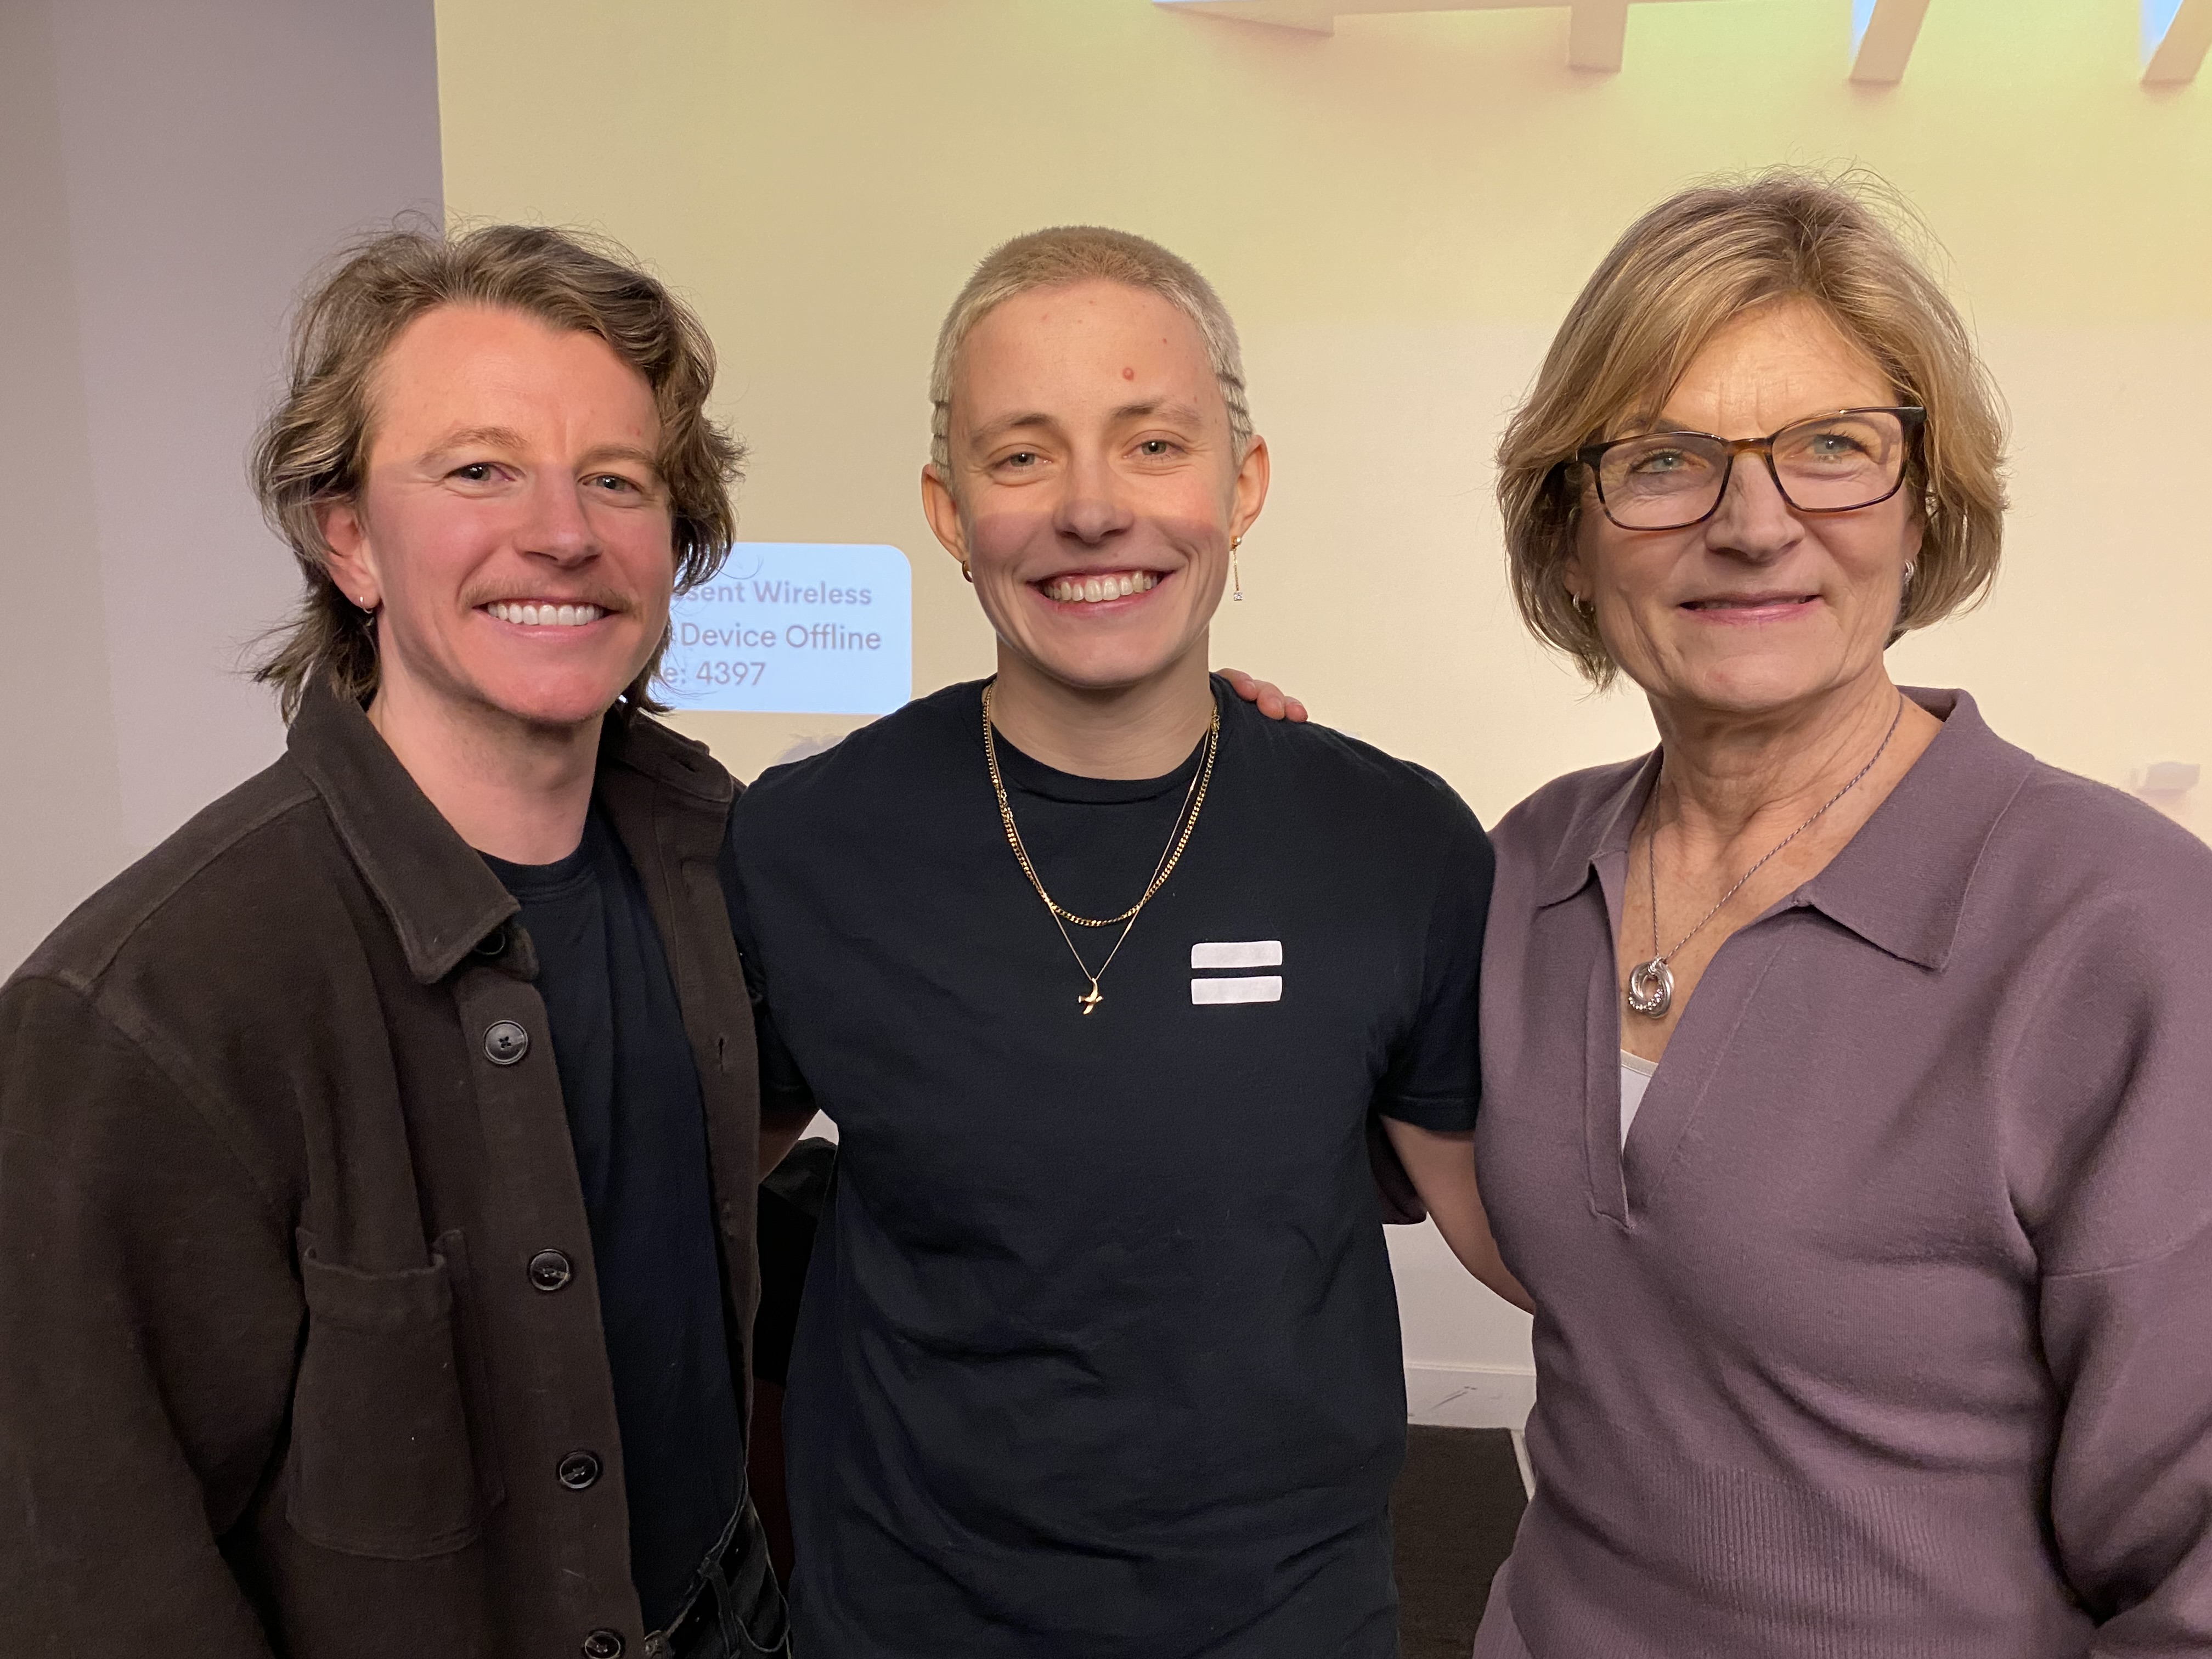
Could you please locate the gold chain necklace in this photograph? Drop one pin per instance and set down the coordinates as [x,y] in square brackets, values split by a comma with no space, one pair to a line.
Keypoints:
[1193,802]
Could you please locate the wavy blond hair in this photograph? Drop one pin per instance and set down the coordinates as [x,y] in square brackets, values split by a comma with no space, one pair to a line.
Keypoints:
[312,450]
[1682,272]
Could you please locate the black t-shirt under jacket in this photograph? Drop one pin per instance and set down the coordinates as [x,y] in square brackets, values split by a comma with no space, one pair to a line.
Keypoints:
[301,1347]
[631,1092]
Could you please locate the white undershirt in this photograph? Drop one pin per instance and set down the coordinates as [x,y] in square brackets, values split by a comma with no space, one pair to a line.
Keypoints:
[1636,1076]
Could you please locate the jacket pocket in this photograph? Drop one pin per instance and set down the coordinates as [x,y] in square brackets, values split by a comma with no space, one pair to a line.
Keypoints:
[381,1462]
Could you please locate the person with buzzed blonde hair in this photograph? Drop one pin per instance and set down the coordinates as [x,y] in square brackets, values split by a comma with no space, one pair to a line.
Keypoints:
[1107,980]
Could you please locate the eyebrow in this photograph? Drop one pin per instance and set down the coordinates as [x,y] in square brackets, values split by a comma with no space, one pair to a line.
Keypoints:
[477,437]
[1174,408]
[643,456]
[992,430]
[501,437]
[1657,425]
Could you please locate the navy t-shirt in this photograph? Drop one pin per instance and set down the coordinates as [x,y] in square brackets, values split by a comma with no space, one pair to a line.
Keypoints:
[1099,1354]
[640,1129]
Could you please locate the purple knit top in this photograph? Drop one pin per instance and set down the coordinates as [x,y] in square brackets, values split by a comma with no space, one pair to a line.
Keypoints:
[1890,1331]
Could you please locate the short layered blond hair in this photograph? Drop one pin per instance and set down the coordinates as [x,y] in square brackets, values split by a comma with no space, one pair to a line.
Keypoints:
[313,447]
[1077,253]
[1683,271]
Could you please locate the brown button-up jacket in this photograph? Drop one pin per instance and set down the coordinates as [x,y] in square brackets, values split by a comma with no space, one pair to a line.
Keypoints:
[298,1321]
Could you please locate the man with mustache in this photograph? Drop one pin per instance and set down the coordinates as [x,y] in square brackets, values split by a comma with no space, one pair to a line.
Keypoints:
[1103,977]
[378,1157]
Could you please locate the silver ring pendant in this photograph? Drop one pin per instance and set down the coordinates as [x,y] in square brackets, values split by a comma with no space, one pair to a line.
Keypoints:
[1651,989]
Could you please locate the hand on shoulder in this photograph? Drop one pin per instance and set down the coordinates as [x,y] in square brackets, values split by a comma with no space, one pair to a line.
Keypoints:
[1265,694]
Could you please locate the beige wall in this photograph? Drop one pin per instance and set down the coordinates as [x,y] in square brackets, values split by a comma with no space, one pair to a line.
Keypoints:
[1398,215]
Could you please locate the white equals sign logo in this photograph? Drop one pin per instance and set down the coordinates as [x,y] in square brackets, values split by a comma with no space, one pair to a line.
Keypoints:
[1241,988]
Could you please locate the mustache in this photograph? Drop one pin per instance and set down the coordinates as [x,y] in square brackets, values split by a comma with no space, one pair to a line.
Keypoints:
[607,598]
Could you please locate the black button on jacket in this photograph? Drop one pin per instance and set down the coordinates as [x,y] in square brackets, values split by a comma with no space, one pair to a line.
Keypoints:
[278,1213]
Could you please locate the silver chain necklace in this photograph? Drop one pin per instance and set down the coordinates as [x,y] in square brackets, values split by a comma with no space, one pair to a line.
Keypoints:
[1651,984]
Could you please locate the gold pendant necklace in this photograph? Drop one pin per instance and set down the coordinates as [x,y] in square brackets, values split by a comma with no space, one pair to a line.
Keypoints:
[1193,802]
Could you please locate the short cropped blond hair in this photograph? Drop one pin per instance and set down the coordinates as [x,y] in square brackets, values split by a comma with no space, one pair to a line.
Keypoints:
[1683,271]
[314,445]
[1079,253]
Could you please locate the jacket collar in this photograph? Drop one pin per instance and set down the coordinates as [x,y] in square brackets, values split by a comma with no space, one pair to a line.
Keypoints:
[442,899]
[637,743]
[1900,884]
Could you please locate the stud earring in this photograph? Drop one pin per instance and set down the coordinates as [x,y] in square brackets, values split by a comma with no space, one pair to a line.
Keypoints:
[1236,576]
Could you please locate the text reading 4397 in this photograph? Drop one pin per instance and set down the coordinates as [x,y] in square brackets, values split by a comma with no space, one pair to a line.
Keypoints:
[834,619]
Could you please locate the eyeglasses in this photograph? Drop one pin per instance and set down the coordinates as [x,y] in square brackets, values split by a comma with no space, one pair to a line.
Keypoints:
[1836,463]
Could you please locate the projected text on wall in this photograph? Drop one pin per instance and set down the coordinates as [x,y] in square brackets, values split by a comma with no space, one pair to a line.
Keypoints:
[805,627]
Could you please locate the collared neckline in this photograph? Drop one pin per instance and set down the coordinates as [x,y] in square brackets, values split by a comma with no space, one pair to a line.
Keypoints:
[1901,882]
[441,897]
[637,742]
[1601,826]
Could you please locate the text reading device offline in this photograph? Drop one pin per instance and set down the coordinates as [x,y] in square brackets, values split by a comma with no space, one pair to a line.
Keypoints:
[796,628]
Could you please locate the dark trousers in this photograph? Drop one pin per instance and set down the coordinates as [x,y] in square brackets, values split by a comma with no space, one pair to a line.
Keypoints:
[735,1609]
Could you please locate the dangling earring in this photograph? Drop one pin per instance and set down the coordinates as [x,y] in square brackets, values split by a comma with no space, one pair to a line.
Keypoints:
[1236,576]
[967,575]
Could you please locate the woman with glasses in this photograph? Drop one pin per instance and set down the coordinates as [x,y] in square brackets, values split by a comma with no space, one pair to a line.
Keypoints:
[1848,1071]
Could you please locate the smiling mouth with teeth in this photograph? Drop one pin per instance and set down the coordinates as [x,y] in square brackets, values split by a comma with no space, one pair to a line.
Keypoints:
[528,615]
[1096,590]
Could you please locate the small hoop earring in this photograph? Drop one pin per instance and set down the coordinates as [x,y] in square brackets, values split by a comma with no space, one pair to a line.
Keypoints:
[967,575]
[1236,575]
[1910,571]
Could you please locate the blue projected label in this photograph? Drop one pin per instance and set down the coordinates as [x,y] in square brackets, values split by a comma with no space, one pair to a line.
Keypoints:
[796,628]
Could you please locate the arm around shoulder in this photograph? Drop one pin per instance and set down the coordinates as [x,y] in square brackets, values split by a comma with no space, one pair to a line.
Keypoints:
[1429,1096]
[1441,1166]
[786,1105]
[148,1318]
